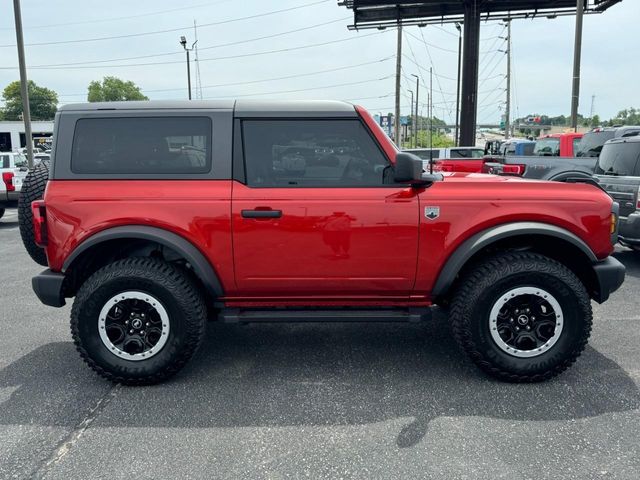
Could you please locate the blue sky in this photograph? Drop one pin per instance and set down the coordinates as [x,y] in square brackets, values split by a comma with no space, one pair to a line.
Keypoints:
[356,66]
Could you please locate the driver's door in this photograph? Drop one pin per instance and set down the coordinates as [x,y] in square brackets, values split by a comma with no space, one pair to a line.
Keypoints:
[316,217]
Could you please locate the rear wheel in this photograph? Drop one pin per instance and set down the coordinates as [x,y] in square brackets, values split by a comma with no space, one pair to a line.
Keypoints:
[521,316]
[138,321]
[1,212]
[32,189]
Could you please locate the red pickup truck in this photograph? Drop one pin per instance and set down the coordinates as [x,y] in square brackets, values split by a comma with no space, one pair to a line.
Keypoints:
[159,216]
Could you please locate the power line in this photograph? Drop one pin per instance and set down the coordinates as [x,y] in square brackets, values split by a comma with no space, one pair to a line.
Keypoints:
[111,19]
[305,89]
[426,46]
[229,57]
[231,84]
[248,40]
[141,34]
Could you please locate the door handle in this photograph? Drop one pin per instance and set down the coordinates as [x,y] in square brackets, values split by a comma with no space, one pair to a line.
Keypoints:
[261,213]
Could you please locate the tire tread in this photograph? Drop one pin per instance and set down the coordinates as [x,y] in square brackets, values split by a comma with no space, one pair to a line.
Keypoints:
[485,274]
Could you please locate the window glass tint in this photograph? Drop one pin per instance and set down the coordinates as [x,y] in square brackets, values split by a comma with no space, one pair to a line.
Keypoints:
[4,161]
[547,147]
[289,153]
[619,159]
[591,143]
[467,153]
[169,145]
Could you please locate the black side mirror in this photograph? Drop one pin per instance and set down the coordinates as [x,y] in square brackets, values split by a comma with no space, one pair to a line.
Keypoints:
[408,168]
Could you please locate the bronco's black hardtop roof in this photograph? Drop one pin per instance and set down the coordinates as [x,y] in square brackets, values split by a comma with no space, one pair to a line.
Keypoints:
[240,107]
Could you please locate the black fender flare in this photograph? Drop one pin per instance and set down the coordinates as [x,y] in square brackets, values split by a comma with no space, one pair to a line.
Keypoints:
[201,266]
[483,239]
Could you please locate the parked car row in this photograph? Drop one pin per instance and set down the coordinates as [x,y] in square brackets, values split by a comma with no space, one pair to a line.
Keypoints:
[13,168]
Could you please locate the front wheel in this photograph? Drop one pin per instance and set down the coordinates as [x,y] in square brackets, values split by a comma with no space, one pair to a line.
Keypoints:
[138,321]
[521,316]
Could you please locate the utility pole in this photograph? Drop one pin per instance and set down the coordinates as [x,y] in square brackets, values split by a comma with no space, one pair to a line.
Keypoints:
[415,141]
[398,73]
[24,85]
[457,138]
[507,112]
[577,53]
[593,106]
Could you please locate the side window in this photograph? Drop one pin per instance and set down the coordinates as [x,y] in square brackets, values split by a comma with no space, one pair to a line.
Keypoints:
[576,145]
[311,153]
[142,145]
[4,161]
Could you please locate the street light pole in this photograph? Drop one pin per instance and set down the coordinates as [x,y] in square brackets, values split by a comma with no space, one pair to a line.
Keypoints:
[415,135]
[183,42]
[458,82]
[24,86]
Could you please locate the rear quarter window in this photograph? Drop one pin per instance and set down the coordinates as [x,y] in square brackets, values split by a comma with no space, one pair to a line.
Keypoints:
[142,145]
[620,159]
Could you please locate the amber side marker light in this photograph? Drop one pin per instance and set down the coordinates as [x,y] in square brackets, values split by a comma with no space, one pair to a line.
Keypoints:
[614,223]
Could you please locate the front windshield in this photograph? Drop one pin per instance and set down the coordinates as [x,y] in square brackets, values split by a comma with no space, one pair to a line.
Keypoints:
[547,147]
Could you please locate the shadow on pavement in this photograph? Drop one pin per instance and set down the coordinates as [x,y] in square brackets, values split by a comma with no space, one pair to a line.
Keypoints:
[312,375]
[631,260]
[6,223]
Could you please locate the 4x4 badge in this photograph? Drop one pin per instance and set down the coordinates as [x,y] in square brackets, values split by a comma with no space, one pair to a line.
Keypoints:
[432,212]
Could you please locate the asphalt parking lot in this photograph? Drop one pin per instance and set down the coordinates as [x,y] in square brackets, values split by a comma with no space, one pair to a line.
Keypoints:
[330,401]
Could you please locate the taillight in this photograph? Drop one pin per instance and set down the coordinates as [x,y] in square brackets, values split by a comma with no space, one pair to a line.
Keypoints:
[638,201]
[513,169]
[7,178]
[39,222]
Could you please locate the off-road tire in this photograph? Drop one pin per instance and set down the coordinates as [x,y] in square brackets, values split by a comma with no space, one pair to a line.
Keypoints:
[32,189]
[486,282]
[179,295]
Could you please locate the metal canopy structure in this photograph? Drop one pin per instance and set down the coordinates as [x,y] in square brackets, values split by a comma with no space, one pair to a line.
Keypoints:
[389,13]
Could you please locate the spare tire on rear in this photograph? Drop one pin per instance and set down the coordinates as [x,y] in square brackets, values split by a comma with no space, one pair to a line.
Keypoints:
[32,189]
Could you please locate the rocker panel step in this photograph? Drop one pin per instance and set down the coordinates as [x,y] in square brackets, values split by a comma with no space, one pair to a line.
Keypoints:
[331,315]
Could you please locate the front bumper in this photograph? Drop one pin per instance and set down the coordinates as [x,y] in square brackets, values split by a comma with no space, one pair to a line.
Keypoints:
[610,275]
[629,229]
[48,287]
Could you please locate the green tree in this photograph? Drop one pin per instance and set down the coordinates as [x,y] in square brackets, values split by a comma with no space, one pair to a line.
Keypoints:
[595,121]
[43,102]
[113,89]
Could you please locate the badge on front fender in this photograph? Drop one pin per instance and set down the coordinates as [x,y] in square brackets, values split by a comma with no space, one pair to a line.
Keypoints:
[431,212]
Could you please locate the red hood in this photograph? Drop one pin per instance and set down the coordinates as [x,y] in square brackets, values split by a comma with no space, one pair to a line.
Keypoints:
[483,177]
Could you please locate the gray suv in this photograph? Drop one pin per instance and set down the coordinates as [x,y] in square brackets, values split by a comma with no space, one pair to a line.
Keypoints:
[618,172]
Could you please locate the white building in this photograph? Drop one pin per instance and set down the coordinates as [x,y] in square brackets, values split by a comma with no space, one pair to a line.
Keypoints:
[12,135]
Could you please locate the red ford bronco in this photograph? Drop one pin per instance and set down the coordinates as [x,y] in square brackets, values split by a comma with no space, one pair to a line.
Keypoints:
[160,215]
